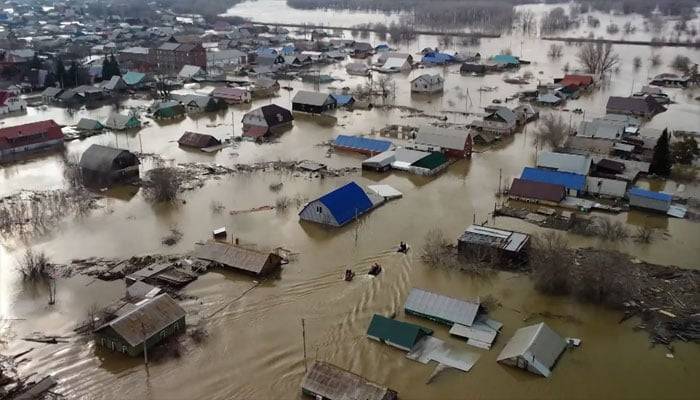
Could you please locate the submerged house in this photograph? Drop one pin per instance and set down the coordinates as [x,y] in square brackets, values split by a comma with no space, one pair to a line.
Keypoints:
[574,183]
[121,122]
[357,68]
[142,325]
[399,334]
[91,125]
[107,165]
[649,200]
[267,120]
[537,192]
[329,382]
[162,275]
[534,348]
[362,145]
[197,140]
[564,162]
[645,107]
[340,206]
[25,138]
[242,259]
[168,109]
[455,143]
[313,102]
[427,83]
[442,309]
[232,95]
[477,239]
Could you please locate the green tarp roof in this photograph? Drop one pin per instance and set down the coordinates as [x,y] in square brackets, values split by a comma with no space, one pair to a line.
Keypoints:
[398,332]
[431,161]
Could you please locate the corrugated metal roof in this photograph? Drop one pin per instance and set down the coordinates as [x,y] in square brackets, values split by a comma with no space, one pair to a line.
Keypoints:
[146,319]
[409,156]
[362,143]
[198,140]
[101,158]
[564,162]
[537,190]
[235,256]
[334,383]
[346,202]
[637,191]
[399,333]
[566,179]
[498,238]
[431,161]
[539,344]
[311,98]
[452,139]
[444,308]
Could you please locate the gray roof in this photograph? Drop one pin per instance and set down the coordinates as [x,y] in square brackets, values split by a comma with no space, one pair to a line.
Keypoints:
[189,71]
[506,114]
[235,256]
[538,344]
[409,156]
[51,91]
[169,46]
[564,162]
[498,238]
[601,129]
[149,317]
[310,98]
[431,79]
[149,271]
[117,121]
[100,158]
[89,124]
[446,138]
[142,290]
[335,383]
[445,308]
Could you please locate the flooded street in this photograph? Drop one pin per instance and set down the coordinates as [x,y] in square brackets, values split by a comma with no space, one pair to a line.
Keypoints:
[254,349]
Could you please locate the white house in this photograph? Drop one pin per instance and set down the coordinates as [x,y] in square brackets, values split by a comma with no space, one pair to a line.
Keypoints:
[427,83]
[10,102]
[396,64]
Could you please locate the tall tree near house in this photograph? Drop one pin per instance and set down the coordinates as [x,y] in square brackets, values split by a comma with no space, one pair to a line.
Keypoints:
[661,162]
[60,72]
[106,69]
[35,63]
[115,65]
[598,58]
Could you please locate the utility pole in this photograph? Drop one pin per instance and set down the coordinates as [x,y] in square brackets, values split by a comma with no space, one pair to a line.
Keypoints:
[303,337]
[499,180]
[145,347]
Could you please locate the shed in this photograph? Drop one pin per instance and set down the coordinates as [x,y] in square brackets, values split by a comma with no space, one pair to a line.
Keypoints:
[430,164]
[404,158]
[240,258]
[106,165]
[362,144]
[442,309]
[435,57]
[606,187]
[648,200]
[338,207]
[344,100]
[548,193]
[479,238]
[535,348]
[381,162]
[313,102]
[197,140]
[506,60]
[574,183]
[145,325]
[329,382]
[87,124]
[399,334]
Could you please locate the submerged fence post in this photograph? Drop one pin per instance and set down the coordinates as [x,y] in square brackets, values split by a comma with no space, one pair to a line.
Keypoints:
[303,337]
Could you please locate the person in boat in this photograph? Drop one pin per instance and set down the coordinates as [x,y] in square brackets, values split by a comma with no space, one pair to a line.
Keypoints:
[349,275]
[403,248]
[375,270]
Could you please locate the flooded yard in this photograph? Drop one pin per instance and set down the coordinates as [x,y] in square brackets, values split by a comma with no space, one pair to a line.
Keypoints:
[254,349]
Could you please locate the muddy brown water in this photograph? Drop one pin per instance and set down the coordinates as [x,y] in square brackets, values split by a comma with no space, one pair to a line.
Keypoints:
[255,345]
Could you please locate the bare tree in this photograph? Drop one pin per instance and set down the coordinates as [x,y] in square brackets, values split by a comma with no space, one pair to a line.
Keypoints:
[598,58]
[553,130]
[555,51]
[436,248]
[549,259]
[386,85]
[681,63]
[655,60]
[162,184]
[637,62]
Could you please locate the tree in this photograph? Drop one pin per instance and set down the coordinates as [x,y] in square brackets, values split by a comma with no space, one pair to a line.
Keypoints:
[116,69]
[598,58]
[106,69]
[685,151]
[553,130]
[661,162]
[35,63]
[681,63]
[162,184]
[60,71]
[555,51]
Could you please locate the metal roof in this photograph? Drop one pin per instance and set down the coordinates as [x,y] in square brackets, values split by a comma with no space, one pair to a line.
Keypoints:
[311,98]
[147,319]
[648,194]
[399,333]
[101,158]
[499,238]
[453,139]
[600,129]
[444,308]
[566,179]
[564,162]
[381,159]
[334,383]
[198,140]
[539,344]
[362,143]
[133,77]
[346,202]
[409,156]
[637,105]
[236,257]
[537,190]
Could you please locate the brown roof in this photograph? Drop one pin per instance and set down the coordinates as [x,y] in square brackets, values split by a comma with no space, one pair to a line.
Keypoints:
[238,257]
[636,105]
[198,140]
[146,319]
[335,383]
[537,190]
[611,165]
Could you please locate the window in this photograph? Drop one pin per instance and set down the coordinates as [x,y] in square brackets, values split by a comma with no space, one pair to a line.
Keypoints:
[124,349]
[319,209]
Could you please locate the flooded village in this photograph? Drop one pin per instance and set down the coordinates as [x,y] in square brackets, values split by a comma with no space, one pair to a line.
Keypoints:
[326,199]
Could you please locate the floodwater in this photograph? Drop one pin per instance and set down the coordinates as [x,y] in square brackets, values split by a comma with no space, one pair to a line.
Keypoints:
[255,345]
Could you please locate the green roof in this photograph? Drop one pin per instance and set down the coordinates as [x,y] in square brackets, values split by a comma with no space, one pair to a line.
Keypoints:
[431,161]
[396,332]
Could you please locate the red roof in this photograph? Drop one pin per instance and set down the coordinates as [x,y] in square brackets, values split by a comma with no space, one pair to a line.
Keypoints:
[30,132]
[578,80]
[4,95]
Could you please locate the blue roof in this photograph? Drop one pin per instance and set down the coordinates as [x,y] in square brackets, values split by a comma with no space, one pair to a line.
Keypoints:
[265,51]
[437,58]
[566,179]
[382,46]
[636,191]
[362,143]
[346,202]
[133,77]
[288,50]
[506,59]
[343,99]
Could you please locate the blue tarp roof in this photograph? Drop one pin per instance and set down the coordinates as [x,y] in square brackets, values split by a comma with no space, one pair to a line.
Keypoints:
[566,179]
[437,58]
[343,99]
[133,77]
[636,191]
[346,202]
[362,143]
[505,59]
